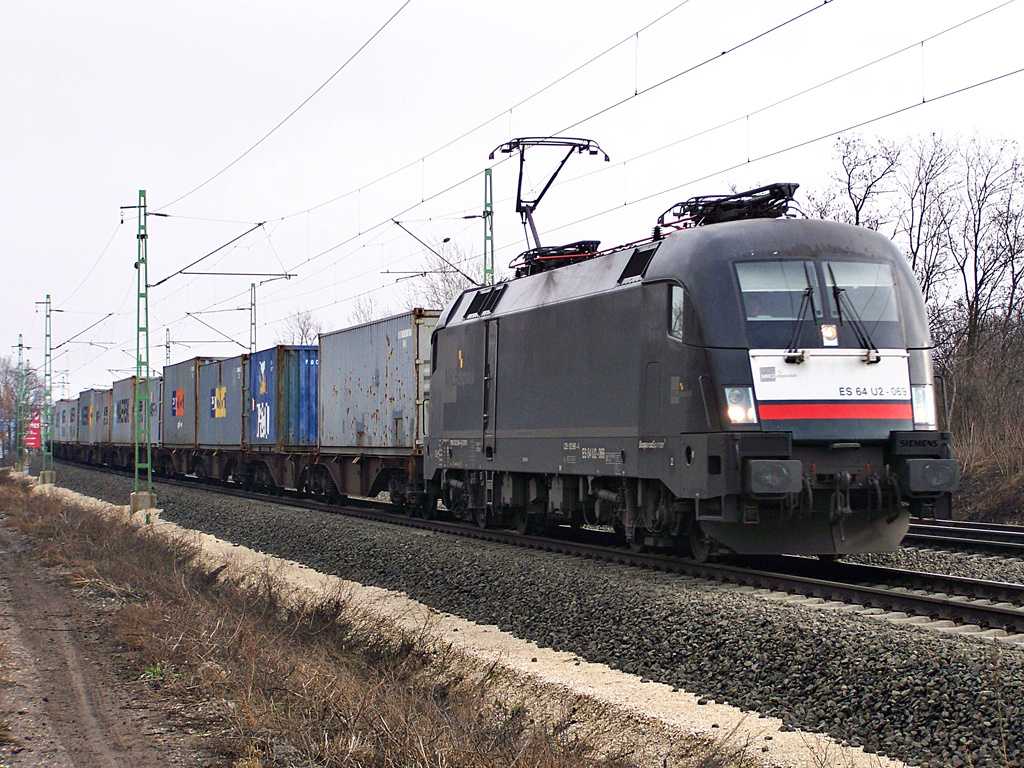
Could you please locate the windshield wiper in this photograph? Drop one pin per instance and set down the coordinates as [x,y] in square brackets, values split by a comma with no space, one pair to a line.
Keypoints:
[859,331]
[793,355]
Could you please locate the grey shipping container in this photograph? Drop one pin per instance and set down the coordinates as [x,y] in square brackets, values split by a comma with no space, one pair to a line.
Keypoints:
[374,385]
[283,396]
[59,409]
[65,421]
[178,419]
[95,410]
[221,403]
[123,432]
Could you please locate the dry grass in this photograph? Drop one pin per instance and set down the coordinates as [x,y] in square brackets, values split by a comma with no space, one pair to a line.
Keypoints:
[295,681]
[988,494]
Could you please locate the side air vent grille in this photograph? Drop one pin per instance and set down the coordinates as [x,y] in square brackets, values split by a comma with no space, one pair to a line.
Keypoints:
[485,301]
[638,262]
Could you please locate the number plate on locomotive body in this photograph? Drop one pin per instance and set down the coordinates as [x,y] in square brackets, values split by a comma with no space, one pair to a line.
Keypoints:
[830,375]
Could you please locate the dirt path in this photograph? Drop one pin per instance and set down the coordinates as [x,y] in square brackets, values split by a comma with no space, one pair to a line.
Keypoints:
[66,693]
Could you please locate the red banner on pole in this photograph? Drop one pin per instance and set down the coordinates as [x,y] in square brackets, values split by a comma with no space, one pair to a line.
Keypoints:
[34,436]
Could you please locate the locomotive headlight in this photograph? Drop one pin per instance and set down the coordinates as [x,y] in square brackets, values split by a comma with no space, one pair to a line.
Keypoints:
[923,399]
[829,336]
[740,405]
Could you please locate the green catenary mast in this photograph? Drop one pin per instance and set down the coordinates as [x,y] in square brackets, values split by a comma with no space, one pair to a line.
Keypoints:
[252,318]
[143,431]
[46,475]
[488,228]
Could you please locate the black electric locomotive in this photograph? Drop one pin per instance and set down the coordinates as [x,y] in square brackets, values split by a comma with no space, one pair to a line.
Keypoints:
[746,382]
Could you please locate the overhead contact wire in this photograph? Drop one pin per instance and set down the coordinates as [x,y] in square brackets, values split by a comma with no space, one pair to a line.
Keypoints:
[292,113]
[697,66]
[798,145]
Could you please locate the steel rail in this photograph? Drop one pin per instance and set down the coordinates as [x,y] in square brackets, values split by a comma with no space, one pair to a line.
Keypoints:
[960,535]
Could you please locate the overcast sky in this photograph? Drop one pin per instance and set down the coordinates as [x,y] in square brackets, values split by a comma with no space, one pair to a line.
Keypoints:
[101,99]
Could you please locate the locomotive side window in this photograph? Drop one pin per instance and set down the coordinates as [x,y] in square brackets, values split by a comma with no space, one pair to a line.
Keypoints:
[868,285]
[676,309]
[774,290]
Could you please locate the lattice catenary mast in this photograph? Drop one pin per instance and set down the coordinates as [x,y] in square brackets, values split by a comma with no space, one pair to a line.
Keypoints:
[143,411]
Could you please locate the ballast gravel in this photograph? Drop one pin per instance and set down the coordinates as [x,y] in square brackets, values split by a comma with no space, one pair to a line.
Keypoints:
[918,696]
[964,565]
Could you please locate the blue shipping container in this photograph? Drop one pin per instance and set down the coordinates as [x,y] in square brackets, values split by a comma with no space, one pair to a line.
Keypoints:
[283,391]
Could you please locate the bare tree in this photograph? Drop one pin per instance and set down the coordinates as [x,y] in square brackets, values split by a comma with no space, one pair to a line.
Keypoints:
[992,177]
[926,207]
[366,310]
[444,277]
[1010,234]
[859,190]
[825,204]
[302,327]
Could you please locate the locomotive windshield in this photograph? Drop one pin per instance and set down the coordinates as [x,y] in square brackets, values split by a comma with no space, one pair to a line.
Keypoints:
[867,284]
[773,291]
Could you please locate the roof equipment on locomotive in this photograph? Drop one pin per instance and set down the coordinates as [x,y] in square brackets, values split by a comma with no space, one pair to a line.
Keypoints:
[539,258]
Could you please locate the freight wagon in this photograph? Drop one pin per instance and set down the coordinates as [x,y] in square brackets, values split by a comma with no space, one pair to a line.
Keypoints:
[374,396]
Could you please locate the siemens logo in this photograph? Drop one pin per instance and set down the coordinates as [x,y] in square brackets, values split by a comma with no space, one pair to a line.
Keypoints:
[919,443]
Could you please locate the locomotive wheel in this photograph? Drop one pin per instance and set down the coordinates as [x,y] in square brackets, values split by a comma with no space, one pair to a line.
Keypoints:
[481,518]
[701,545]
[524,522]
[620,530]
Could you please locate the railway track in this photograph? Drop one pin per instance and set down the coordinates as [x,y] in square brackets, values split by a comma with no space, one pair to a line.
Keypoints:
[987,604]
[959,535]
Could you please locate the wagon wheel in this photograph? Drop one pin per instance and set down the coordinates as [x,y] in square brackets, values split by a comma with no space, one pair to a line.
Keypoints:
[429,511]
[637,538]
[524,522]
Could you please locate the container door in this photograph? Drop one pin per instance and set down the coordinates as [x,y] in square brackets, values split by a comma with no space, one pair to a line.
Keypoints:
[490,384]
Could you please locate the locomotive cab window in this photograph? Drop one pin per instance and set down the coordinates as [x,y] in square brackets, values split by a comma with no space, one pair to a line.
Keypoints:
[775,290]
[868,287]
[677,307]
[780,299]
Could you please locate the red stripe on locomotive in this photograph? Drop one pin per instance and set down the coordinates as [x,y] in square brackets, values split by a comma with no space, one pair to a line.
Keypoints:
[796,411]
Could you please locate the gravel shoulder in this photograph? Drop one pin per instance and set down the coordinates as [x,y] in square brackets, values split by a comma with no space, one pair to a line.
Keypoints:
[900,691]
